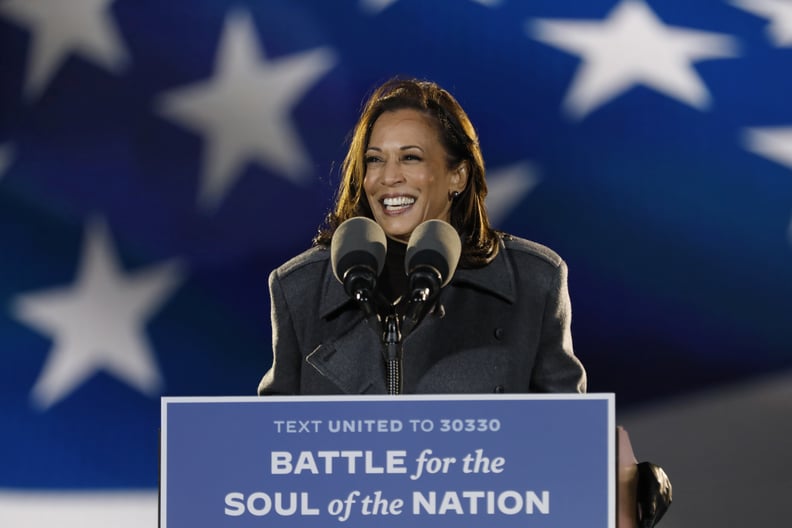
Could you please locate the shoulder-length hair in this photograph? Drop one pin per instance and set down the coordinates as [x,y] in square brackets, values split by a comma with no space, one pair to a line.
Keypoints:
[458,137]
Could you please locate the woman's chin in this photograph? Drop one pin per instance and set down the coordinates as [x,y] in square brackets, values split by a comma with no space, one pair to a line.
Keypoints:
[398,232]
[396,226]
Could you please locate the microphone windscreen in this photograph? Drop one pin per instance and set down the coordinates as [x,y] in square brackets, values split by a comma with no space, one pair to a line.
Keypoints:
[358,241]
[434,243]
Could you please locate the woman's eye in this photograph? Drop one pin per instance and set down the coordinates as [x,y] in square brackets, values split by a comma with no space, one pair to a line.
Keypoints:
[411,157]
[372,159]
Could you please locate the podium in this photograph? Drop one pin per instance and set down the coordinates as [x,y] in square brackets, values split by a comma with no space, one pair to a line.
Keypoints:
[389,461]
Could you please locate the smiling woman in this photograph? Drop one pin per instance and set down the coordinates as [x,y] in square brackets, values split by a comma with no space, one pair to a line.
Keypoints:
[501,323]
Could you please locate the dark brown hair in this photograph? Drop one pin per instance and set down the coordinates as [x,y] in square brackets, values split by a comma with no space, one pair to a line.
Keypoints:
[458,137]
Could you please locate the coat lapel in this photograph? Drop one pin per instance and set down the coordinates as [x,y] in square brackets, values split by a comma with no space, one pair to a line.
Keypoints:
[333,297]
[352,360]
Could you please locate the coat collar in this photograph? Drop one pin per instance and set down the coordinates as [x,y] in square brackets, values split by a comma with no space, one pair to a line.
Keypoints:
[333,295]
[497,277]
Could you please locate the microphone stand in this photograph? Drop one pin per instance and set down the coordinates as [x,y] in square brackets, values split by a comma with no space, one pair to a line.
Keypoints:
[391,338]
[424,287]
[360,288]
[392,334]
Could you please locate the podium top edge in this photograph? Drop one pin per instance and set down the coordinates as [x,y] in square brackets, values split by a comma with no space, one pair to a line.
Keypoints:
[608,396]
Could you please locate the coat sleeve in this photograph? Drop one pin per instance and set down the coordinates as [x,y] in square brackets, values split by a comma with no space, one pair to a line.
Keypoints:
[557,369]
[283,377]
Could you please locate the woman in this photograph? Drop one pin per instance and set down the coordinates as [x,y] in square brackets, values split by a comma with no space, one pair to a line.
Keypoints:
[501,325]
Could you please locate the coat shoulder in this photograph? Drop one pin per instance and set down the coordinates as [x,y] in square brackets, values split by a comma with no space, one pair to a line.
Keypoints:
[304,263]
[532,250]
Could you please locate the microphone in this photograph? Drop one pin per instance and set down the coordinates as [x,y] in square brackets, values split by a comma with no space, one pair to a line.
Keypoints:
[357,254]
[432,257]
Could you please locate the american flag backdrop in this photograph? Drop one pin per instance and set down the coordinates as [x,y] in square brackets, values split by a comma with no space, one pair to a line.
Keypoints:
[159,159]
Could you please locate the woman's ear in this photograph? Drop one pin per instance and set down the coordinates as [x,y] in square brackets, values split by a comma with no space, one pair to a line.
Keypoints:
[459,177]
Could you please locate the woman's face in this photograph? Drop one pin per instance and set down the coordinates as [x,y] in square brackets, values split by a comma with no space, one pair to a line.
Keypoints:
[408,180]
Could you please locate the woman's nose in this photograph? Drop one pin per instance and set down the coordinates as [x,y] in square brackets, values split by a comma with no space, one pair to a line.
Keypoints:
[392,173]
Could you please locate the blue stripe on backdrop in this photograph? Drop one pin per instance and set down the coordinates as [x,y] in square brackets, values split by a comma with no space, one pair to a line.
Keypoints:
[157,160]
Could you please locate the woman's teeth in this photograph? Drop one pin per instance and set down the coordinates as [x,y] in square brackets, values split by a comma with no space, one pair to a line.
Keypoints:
[398,202]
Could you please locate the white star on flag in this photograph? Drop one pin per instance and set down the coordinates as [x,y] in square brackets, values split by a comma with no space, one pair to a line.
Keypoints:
[632,47]
[774,143]
[507,187]
[244,111]
[97,324]
[780,14]
[59,28]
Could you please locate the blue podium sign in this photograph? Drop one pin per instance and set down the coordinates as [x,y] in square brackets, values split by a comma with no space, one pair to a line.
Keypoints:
[357,461]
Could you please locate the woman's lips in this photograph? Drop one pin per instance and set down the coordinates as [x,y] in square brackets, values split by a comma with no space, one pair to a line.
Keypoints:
[397,204]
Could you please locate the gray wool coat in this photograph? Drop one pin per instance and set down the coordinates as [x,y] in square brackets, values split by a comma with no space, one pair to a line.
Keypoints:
[501,328]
